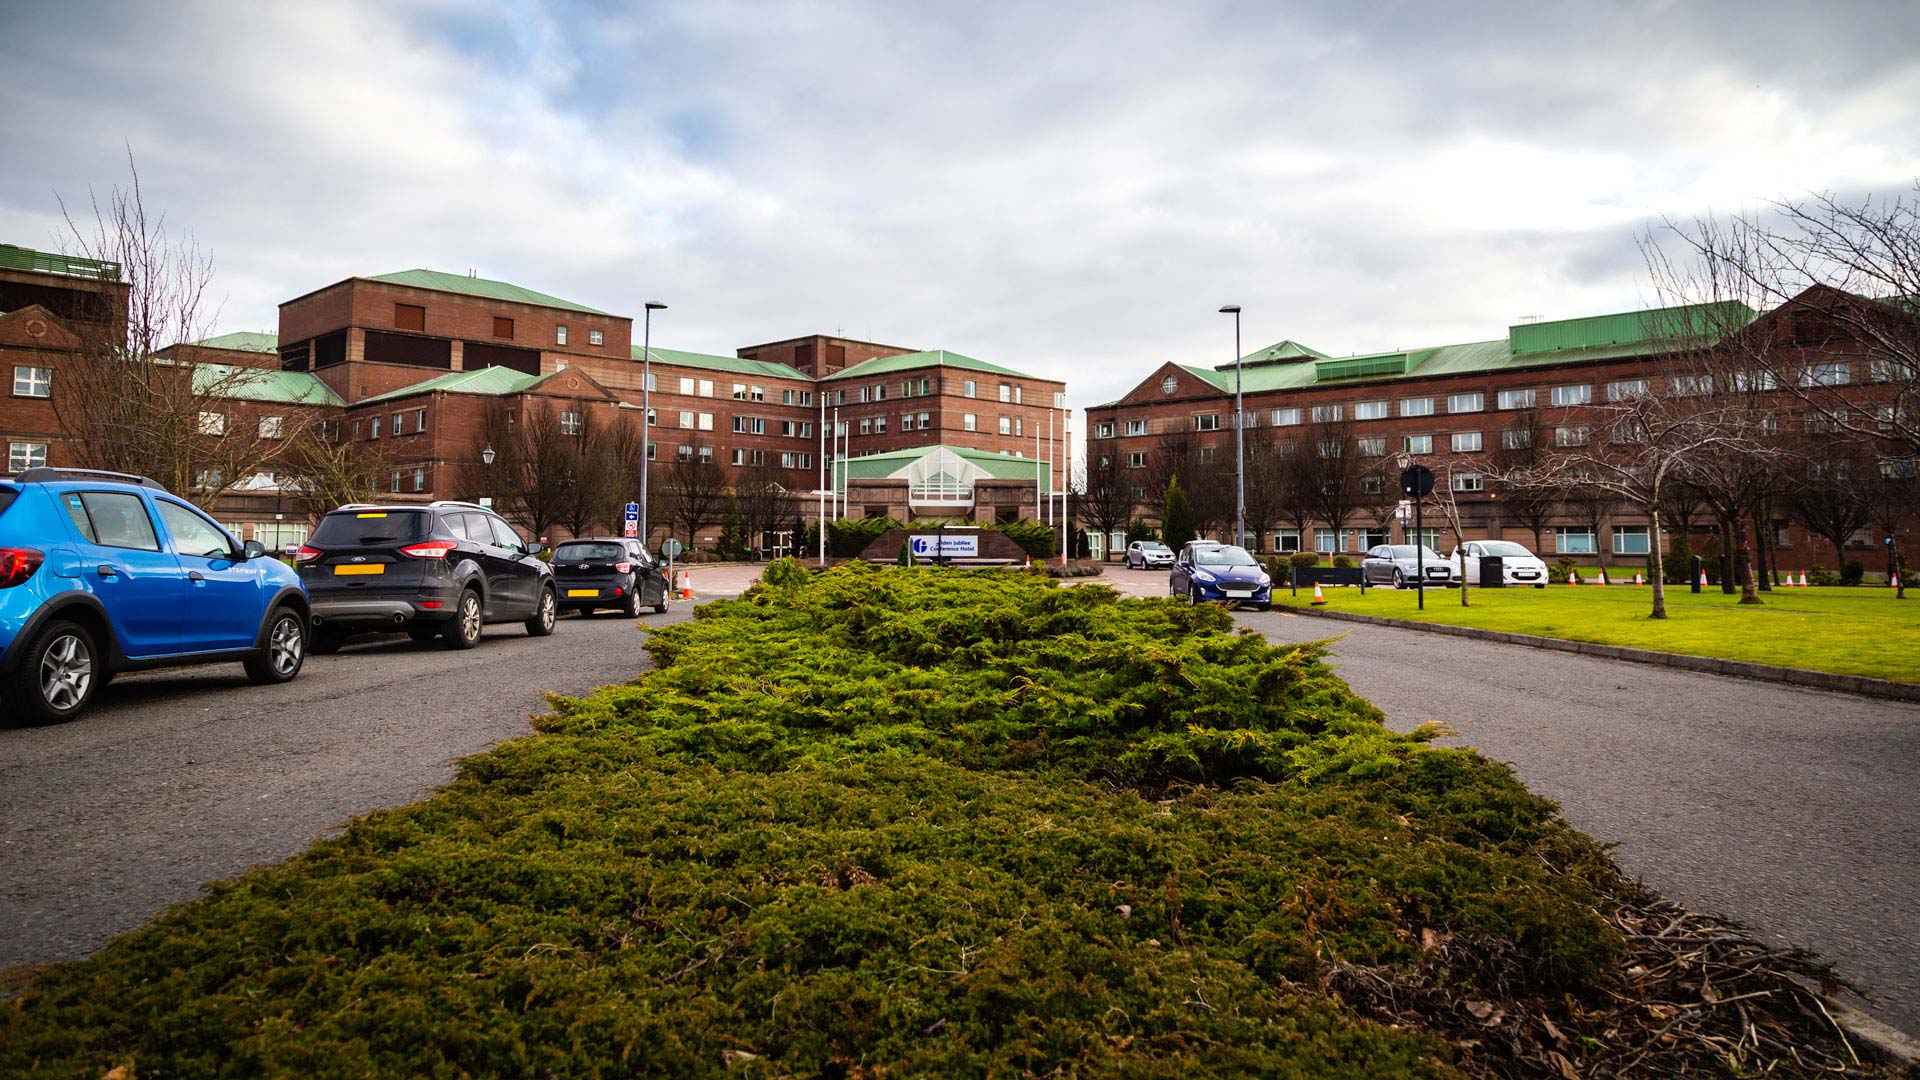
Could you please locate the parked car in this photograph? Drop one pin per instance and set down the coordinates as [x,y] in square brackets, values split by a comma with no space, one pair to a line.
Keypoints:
[1148,555]
[102,573]
[594,574]
[1518,566]
[1399,565]
[1206,570]
[441,570]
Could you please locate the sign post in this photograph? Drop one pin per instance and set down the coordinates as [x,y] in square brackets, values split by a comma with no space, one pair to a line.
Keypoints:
[632,520]
[1416,482]
[940,547]
[670,548]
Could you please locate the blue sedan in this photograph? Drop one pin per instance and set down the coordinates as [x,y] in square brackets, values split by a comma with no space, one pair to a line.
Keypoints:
[1206,571]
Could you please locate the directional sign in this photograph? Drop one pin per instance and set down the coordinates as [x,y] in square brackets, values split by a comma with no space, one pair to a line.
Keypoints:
[1416,481]
[633,519]
[936,546]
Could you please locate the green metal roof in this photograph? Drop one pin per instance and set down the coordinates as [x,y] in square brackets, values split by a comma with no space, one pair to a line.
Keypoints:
[1360,367]
[243,341]
[999,466]
[1688,321]
[910,361]
[263,384]
[737,365]
[473,286]
[491,381]
[1278,353]
[13,257]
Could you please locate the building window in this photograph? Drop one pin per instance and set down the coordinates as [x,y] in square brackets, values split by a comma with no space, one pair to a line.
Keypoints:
[1888,369]
[1372,447]
[32,381]
[419,479]
[1577,394]
[970,389]
[1330,448]
[706,421]
[1690,385]
[1006,425]
[1574,540]
[394,483]
[739,424]
[1136,459]
[410,317]
[419,420]
[739,456]
[1370,410]
[1205,454]
[1630,540]
[1516,399]
[503,327]
[686,419]
[1285,540]
[1006,393]
[1468,481]
[1373,484]
[1416,406]
[215,423]
[273,427]
[1748,382]
[596,337]
[25,455]
[756,393]
[1465,403]
[570,423]
[1418,444]
[1136,427]
[1326,414]
[1466,442]
[706,388]
[373,428]
[1570,436]
[1207,422]
[1281,418]
[967,422]
[1326,541]
[399,423]
[1517,439]
[1824,375]
[1626,389]
[686,387]
[739,391]
[560,334]
[1103,431]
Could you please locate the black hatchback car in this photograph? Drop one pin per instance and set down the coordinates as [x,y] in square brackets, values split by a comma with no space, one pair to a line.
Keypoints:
[442,570]
[594,574]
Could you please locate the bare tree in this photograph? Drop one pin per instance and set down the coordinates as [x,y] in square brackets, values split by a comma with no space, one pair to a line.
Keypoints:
[1333,470]
[324,470]
[694,487]
[1264,483]
[1833,497]
[760,496]
[126,408]
[1523,445]
[1298,490]
[1106,503]
[1895,498]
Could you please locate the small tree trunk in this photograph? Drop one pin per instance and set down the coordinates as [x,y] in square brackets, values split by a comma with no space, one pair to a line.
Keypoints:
[1743,562]
[1727,568]
[1659,563]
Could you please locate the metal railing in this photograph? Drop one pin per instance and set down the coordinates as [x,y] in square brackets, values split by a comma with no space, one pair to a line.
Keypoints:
[19,258]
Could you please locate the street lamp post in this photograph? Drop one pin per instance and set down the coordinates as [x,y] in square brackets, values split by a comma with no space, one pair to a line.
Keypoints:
[1239,437]
[646,409]
[486,460]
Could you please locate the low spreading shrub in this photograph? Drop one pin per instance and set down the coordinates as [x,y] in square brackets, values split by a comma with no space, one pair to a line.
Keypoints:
[1305,560]
[903,822]
[1853,572]
[1820,575]
[1341,562]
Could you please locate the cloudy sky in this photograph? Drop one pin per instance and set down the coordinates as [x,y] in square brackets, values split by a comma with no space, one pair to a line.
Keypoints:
[1066,189]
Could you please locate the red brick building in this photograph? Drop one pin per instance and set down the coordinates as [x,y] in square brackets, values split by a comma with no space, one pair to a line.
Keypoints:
[1452,408]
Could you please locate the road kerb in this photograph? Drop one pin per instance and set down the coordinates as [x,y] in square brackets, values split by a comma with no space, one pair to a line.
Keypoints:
[1816,680]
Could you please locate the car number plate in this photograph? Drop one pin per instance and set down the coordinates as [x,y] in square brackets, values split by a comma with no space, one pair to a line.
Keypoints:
[1239,594]
[359,568]
[583,592]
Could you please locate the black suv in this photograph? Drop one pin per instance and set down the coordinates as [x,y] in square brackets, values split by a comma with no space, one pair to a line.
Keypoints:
[440,570]
[595,573]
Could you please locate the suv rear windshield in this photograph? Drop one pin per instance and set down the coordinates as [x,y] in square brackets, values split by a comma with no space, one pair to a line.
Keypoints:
[589,551]
[351,528]
[7,495]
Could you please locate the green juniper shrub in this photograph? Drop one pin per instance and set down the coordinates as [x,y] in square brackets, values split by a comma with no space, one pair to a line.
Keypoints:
[1305,560]
[1176,516]
[1341,562]
[1853,572]
[1820,575]
[1141,529]
[880,821]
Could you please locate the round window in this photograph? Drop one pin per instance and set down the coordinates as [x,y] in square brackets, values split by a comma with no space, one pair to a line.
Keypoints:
[1169,384]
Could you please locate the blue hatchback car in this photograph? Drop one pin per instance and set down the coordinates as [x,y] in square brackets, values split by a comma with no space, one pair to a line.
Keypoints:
[1207,571]
[103,572]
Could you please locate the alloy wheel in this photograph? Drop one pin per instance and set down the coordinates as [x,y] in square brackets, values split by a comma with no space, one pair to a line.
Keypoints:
[286,644]
[470,616]
[66,672]
[547,610]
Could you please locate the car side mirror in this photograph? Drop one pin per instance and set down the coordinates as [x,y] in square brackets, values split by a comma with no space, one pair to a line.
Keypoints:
[533,547]
[252,549]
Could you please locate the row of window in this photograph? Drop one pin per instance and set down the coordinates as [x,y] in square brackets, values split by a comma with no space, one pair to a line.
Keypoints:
[414,317]
[409,422]
[1567,539]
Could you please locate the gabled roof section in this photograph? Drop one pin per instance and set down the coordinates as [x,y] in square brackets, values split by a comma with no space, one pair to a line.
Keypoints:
[483,287]
[886,365]
[263,384]
[737,365]
[1283,352]
[999,466]
[488,381]
[1686,322]
[34,327]
[243,341]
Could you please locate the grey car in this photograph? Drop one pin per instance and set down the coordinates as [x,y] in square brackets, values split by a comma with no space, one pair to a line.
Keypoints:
[1399,565]
[1149,555]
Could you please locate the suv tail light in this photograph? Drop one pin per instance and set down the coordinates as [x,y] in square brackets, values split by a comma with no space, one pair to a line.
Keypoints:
[623,567]
[429,549]
[308,554]
[18,564]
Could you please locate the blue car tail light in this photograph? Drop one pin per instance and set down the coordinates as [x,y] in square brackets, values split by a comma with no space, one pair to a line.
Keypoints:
[18,564]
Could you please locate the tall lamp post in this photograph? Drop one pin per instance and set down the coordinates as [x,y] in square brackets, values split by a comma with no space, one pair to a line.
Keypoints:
[1239,437]
[486,460]
[646,409]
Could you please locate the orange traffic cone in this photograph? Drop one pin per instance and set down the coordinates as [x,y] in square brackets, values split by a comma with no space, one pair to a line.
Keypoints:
[1573,577]
[1603,576]
[1703,579]
[1319,598]
[1894,581]
[686,584]
[1637,579]
[1803,581]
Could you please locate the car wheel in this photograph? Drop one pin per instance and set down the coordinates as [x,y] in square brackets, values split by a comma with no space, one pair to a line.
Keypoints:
[285,651]
[325,642]
[541,624]
[1399,580]
[1193,596]
[57,676]
[634,603]
[468,622]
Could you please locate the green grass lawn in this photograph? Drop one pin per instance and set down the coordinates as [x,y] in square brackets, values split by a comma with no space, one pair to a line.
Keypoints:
[1849,631]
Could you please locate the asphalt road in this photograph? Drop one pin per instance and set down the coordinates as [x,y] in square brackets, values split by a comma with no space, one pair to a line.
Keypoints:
[175,779]
[1794,811]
